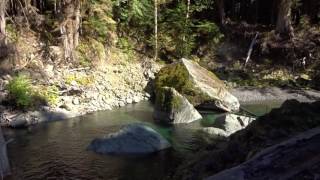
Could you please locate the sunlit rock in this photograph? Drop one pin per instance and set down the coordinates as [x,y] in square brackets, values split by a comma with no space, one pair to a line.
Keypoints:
[200,86]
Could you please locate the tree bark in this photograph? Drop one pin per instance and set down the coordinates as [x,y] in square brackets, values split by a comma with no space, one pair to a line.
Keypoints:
[70,27]
[222,14]
[156,28]
[3,4]
[284,26]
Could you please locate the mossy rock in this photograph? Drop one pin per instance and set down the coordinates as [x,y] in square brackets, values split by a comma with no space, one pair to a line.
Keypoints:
[167,100]
[198,85]
[171,107]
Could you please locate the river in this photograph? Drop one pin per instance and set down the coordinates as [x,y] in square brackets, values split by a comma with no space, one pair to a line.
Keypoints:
[57,150]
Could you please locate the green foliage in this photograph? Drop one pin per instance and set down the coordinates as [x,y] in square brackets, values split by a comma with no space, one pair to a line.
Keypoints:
[126,46]
[79,79]
[25,95]
[50,94]
[304,22]
[136,13]
[98,20]
[20,90]
[177,35]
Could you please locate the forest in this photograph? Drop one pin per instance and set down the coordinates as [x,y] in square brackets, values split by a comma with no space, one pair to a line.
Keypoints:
[211,88]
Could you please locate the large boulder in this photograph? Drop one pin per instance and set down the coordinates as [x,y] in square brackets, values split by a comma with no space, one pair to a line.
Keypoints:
[172,107]
[132,139]
[296,158]
[232,123]
[198,85]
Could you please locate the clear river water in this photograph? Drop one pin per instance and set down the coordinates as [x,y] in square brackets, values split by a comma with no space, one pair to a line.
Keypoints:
[57,150]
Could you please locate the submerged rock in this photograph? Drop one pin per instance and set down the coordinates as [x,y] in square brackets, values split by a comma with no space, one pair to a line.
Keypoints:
[198,85]
[214,131]
[172,107]
[228,124]
[232,123]
[130,140]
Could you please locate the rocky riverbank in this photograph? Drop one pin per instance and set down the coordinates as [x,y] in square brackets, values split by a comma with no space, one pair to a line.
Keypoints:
[83,91]
[252,95]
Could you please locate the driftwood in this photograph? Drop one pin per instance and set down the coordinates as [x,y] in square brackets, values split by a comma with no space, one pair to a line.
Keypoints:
[253,42]
[292,159]
[4,162]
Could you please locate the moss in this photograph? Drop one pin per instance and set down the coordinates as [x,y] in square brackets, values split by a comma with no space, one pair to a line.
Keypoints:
[49,94]
[90,52]
[177,76]
[80,79]
[12,33]
[166,100]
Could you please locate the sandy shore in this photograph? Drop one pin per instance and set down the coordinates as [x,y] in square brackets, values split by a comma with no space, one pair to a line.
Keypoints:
[255,95]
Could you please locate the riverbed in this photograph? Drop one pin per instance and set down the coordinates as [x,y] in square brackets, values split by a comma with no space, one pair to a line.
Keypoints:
[57,150]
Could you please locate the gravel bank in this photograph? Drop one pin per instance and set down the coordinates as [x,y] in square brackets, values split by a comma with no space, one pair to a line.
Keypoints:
[255,95]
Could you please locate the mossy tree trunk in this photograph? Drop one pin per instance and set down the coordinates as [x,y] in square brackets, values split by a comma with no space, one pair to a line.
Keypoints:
[284,26]
[70,27]
[3,4]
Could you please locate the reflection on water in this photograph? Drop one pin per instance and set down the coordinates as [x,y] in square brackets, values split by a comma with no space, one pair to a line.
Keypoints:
[56,150]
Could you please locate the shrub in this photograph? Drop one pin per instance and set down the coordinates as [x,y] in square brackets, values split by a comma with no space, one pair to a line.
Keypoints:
[24,95]
[49,94]
[126,46]
[20,90]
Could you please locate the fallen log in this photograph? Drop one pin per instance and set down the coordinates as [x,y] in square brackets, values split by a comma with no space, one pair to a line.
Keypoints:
[251,49]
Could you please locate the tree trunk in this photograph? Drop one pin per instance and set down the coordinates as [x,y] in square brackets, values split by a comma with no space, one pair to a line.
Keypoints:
[77,23]
[156,28]
[284,26]
[222,14]
[187,19]
[70,27]
[3,4]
